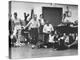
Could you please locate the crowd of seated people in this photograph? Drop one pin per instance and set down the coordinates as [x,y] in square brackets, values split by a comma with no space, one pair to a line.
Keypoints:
[61,41]
[39,33]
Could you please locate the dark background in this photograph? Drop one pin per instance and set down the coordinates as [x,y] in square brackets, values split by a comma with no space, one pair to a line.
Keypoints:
[52,14]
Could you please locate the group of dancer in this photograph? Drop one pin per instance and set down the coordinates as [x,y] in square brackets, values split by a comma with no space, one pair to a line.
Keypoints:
[31,28]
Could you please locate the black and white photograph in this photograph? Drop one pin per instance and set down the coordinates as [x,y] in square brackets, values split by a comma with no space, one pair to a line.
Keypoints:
[39,29]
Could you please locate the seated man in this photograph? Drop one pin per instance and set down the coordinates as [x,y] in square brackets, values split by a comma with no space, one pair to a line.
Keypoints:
[47,29]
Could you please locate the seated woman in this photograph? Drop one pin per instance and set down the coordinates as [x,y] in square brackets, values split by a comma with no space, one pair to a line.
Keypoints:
[62,42]
[51,38]
[48,44]
[74,44]
[56,42]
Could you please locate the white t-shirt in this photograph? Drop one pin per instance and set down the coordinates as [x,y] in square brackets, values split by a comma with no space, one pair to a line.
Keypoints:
[51,38]
[33,24]
[67,39]
[47,28]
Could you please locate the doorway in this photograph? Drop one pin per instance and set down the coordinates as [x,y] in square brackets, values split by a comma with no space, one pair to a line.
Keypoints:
[52,14]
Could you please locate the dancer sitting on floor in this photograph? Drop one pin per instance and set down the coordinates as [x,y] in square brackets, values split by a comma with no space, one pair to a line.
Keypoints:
[47,29]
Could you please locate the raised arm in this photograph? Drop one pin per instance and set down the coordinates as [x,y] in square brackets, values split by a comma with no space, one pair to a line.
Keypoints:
[32,12]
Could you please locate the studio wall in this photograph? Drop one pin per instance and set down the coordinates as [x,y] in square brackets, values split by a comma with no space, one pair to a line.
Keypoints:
[21,7]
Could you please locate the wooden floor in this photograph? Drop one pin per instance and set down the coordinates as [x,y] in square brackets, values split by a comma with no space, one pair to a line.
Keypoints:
[27,52]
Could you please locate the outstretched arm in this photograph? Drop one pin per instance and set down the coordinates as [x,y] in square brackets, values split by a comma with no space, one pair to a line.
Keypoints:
[27,25]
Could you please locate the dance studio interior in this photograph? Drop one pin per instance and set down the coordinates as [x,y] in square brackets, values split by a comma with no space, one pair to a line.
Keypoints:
[39,29]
